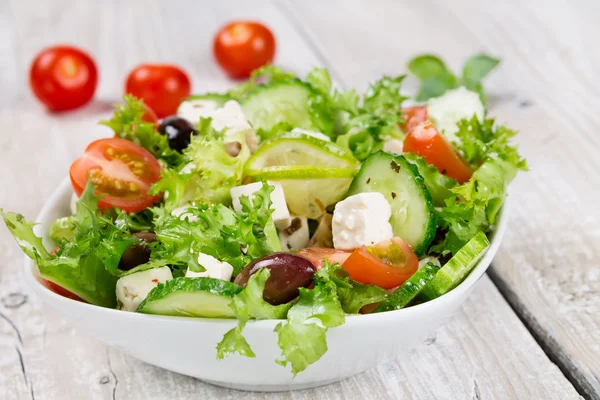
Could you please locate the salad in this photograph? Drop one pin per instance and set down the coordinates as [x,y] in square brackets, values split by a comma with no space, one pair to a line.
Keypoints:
[285,199]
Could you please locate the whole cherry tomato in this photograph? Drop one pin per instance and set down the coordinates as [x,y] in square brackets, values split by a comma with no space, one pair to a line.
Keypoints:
[63,77]
[162,87]
[240,47]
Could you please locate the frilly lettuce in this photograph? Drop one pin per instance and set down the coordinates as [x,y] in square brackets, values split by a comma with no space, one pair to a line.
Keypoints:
[249,304]
[87,265]
[474,205]
[127,123]
[235,238]
[208,171]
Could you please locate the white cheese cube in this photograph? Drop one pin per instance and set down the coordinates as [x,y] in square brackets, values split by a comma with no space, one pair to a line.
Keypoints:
[295,236]
[361,220]
[314,134]
[214,268]
[445,111]
[133,289]
[281,214]
[193,110]
[394,146]
[73,203]
[230,119]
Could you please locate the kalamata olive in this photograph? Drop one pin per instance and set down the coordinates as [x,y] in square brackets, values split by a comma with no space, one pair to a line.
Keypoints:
[178,131]
[288,273]
[139,253]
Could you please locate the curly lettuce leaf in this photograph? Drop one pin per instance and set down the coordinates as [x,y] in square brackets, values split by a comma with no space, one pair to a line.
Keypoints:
[208,171]
[302,338]
[377,120]
[127,123]
[482,139]
[235,238]
[87,265]
[352,295]
[249,304]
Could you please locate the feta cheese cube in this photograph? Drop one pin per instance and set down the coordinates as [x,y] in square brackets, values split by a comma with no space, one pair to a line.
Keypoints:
[394,146]
[295,236]
[314,134]
[281,214]
[361,220]
[230,118]
[445,111]
[193,110]
[214,268]
[133,289]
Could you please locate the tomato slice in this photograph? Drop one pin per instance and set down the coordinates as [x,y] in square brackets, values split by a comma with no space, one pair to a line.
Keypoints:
[413,116]
[318,255]
[120,170]
[426,141]
[387,264]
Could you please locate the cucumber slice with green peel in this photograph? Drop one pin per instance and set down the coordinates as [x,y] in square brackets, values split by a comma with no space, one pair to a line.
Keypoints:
[218,98]
[191,297]
[285,104]
[413,218]
[409,289]
[457,268]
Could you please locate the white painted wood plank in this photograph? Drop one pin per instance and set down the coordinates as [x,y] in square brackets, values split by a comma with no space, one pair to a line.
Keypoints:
[41,356]
[547,87]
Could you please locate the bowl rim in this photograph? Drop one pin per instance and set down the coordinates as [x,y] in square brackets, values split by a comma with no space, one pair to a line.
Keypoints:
[440,302]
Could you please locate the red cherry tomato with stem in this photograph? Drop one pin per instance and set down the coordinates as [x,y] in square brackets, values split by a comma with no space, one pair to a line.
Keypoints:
[63,78]
[162,87]
[240,47]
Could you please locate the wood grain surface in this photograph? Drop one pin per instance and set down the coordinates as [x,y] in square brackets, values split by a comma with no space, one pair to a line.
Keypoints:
[547,86]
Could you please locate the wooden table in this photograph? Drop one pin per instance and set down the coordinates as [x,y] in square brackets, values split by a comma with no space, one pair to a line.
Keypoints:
[532,331]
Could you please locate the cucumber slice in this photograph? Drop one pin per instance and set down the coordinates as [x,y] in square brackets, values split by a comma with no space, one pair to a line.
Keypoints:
[218,98]
[409,289]
[457,268]
[413,217]
[286,104]
[191,297]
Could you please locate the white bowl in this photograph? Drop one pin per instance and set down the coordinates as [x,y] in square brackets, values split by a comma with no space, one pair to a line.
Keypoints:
[188,345]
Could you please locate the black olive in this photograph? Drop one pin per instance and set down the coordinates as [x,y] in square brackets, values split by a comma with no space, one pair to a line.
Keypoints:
[289,272]
[178,131]
[139,253]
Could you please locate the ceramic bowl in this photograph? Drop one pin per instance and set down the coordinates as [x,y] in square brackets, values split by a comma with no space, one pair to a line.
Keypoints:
[188,345]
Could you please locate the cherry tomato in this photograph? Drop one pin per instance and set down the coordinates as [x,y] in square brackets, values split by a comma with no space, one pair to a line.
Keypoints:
[387,264]
[63,77]
[427,142]
[413,116]
[121,170]
[318,255]
[240,47]
[162,87]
